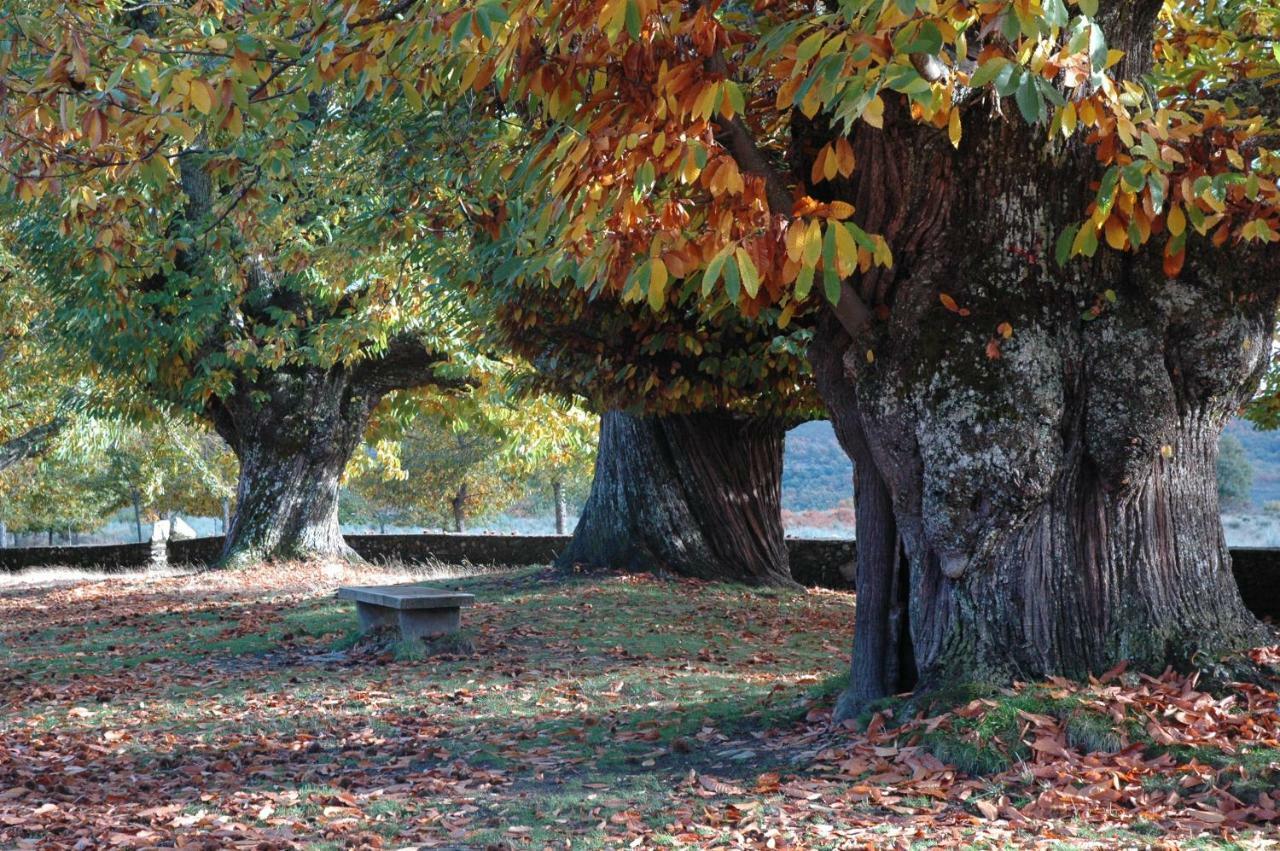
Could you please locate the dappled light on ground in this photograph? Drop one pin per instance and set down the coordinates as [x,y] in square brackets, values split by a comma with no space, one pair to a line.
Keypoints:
[240,710]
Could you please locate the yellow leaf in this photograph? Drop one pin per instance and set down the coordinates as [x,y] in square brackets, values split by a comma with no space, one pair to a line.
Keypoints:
[1117,236]
[840,209]
[844,156]
[874,113]
[953,128]
[1069,118]
[1176,220]
[234,122]
[201,95]
[846,248]
[657,283]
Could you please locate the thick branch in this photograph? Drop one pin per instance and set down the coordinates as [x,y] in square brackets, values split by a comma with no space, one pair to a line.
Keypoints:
[32,442]
[738,140]
[407,362]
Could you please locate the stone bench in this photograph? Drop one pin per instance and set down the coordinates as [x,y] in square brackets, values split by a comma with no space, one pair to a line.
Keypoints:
[416,610]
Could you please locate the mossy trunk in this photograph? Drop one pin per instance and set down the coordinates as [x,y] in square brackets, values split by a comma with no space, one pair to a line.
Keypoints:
[1047,449]
[293,433]
[698,495]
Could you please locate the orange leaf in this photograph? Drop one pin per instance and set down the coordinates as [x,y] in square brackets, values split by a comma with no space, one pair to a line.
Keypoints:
[948,302]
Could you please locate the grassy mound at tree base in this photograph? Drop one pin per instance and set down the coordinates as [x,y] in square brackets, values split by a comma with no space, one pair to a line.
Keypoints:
[605,709]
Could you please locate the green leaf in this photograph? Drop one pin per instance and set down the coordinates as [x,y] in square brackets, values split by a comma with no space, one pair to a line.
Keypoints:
[804,282]
[1062,249]
[750,275]
[926,38]
[734,92]
[732,283]
[633,20]
[1088,7]
[712,274]
[1029,102]
[987,71]
[831,285]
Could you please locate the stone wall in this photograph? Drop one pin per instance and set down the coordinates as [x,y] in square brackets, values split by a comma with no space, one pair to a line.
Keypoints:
[110,558]
[823,563]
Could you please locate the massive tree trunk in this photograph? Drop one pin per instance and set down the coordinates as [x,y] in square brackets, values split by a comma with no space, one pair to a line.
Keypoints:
[696,494]
[1053,492]
[293,433]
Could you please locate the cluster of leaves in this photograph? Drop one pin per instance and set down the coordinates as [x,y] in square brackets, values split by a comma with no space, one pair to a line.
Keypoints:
[664,122]
[477,457]
[214,190]
[98,466]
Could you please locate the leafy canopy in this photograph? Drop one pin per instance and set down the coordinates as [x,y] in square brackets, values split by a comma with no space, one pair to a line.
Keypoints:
[665,119]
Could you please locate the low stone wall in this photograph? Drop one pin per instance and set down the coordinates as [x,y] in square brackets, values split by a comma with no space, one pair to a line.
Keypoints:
[514,550]
[110,558]
[825,563]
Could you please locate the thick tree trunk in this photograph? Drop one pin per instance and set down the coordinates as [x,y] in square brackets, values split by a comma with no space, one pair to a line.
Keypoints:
[882,659]
[557,488]
[1053,491]
[293,443]
[698,495]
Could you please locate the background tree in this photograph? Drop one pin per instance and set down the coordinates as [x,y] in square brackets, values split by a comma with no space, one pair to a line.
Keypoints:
[1028,410]
[470,460]
[1235,474]
[213,196]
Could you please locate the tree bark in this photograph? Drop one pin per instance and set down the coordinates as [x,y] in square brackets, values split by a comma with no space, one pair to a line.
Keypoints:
[695,494]
[30,443]
[1053,492]
[882,660]
[557,488]
[458,504]
[293,433]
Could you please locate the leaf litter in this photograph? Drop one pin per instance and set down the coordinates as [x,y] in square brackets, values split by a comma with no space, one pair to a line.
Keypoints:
[238,710]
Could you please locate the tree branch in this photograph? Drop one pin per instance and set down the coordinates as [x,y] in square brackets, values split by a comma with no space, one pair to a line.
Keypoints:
[407,362]
[32,442]
[737,139]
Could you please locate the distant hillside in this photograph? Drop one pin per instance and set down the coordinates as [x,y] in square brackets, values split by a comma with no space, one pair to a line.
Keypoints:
[1262,448]
[817,474]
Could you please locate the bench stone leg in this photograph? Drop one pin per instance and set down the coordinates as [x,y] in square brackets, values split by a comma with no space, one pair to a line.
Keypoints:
[425,623]
[372,617]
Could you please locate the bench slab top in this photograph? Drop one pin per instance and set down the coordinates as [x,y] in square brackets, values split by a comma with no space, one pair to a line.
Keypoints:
[406,596]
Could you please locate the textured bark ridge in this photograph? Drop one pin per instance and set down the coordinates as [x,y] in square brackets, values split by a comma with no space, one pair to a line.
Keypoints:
[1056,502]
[696,494]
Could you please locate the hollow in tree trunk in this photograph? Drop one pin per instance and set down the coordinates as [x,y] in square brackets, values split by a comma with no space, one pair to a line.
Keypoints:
[695,494]
[1053,492]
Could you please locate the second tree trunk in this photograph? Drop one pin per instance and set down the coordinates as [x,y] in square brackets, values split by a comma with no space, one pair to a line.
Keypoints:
[696,494]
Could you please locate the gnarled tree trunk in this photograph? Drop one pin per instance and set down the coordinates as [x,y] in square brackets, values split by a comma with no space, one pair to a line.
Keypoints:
[694,494]
[293,433]
[1053,492]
